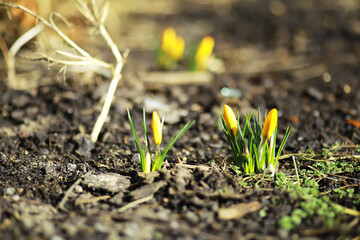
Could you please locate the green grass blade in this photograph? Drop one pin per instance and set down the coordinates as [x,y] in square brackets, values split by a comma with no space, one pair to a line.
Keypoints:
[157,160]
[232,141]
[296,171]
[146,135]
[272,154]
[137,141]
[173,140]
[286,136]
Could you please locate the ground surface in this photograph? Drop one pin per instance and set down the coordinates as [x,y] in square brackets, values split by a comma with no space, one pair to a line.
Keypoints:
[301,57]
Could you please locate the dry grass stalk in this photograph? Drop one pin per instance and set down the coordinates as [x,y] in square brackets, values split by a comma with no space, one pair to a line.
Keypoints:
[97,16]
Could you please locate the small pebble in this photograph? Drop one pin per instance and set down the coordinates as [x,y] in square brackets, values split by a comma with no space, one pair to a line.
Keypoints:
[18,115]
[49,168]
[231,92]
[32,111]
[110,182]
[78,189]
[347,88]
[135,158]
[71,167]
[20,100]
[9,191]
[174,225]
[131,229]
[191,217]
[316,113]
[56,238]
[315,93]
[326,77]
[16,197]
[205,136]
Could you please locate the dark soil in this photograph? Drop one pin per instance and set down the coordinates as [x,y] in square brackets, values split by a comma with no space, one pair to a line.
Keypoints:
[301,57]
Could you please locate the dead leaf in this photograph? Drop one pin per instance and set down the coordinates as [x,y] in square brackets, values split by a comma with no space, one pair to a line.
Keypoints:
[147,190]
[238,210]
[294,119]
[26,21]
[353,122]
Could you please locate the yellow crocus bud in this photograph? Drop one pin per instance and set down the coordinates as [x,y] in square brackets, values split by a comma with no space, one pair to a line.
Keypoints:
[178,49]
[230,119]
[172,45]
[147,163]
[168,40]
[204,52]
[156,128]
[270,124]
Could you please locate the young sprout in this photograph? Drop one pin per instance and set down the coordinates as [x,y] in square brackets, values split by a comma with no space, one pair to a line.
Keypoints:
[251,150]
[203,54]
[172,49]
[151,162]
[147,165]
[156,128]
[268,132]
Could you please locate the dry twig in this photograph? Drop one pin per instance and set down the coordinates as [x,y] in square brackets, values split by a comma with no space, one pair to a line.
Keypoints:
[135,203]
[82,58]
[61,204]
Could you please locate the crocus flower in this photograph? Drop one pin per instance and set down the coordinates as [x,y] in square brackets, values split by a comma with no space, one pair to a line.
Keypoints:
[156,128]
[168,39]
[172,45]
[178,49]
[270,124]
[204,52]
[230,119]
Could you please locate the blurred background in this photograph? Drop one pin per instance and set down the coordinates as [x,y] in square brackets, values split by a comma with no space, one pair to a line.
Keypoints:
[301,56]
[251,36]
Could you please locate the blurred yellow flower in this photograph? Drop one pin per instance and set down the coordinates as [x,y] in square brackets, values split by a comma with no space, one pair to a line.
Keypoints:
[270,124]
[172,45]
[178,50]
[156,128]
[230,119]
[204,52]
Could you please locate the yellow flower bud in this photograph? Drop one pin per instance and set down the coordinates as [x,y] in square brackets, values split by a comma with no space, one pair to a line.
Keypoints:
[172,45]
[178,49]
[204,52]
[156,128]
[230,119]
[168,40]
[270,124]
[147,163]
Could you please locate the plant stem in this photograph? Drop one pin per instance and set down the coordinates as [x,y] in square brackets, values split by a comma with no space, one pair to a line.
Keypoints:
[260,152]
[21,41]
[113,84]
[296,171]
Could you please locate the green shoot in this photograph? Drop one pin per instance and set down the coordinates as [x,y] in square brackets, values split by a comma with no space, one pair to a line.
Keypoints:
[253,146]
[153,160]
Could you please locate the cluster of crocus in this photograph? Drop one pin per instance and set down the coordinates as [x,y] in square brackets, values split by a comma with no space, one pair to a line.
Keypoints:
[253,146]
[172,50]
[152,160]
